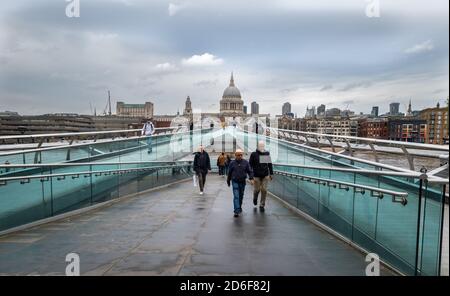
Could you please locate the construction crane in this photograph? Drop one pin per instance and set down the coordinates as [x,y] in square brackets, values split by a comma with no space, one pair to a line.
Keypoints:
[108,105]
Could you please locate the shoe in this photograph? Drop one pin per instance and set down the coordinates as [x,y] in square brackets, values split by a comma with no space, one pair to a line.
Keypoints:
[201,192]
[255,201]
[236,215]
[261,209]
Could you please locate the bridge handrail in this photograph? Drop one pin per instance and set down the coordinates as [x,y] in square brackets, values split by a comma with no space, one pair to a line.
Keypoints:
[74,164]
[372,163]
[344,185]
[59,135]
[87,144]
[372,141]
[358,171]
[438,181]
[4,180]
[349,170]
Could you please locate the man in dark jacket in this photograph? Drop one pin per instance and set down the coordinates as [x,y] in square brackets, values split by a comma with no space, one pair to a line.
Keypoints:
[202,165]
[237,175]
[263,171]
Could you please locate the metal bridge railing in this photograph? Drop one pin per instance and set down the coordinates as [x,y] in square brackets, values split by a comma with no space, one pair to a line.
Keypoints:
[349,143]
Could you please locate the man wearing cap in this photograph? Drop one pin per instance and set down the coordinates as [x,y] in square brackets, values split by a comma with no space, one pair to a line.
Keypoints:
[237,175]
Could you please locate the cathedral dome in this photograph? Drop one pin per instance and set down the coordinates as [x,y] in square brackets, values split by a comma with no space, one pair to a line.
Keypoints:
[231,103]
[231,91]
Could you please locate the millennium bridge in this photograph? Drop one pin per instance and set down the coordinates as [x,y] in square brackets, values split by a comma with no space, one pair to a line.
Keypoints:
[125,211]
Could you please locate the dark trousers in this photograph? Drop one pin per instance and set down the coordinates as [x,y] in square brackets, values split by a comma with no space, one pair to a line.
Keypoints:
[221,170]
[201,179]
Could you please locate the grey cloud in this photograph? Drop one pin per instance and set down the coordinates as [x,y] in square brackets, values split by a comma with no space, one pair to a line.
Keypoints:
[326,87]
[304,50]
[351,86]
[207,83]
[420,47]
[289,90]
[438,91]
[348,102]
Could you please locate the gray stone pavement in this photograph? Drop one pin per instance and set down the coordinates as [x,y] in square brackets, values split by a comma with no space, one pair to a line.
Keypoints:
[175,231]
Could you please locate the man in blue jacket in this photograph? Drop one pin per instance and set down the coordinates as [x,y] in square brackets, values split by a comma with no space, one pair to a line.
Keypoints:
[237,176]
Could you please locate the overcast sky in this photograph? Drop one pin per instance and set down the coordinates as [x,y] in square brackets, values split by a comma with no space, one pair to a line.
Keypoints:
[304,52]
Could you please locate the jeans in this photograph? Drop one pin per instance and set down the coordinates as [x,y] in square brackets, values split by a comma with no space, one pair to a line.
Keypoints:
[149,143]
[238,195]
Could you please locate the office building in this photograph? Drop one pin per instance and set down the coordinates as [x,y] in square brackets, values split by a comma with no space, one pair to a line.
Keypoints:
[134,110]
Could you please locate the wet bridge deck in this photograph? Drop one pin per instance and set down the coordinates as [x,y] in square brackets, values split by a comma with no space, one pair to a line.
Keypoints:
[175,231]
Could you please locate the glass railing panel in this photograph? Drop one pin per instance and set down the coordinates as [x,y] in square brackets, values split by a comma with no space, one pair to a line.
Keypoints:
[186,172]
[176,173]
[309,193]
[24,201]
[85,185]
[290,187]
[336,204]
[380,222]
[59,155]
[179,145]
[10,171]
[126,150]
[146,178]
[276,186]
[431,229]
[18,158]
[71,192]
[396,225]
[105,185]
[165,176]
[128,181]
[33,157]
[162,176]
[228,138]
[365,206]
[119,149]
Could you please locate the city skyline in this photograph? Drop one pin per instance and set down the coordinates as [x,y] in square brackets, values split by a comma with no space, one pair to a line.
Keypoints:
[246,141]
[284,51]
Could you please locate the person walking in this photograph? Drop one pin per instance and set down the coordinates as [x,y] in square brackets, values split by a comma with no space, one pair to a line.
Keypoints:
[202,165]
[148,130]
[262,167]
[227,163]
[221,160]
[237,176]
